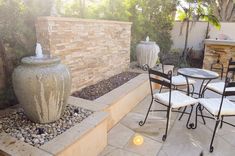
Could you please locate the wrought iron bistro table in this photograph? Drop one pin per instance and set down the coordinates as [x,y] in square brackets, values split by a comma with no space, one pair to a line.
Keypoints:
[202,74]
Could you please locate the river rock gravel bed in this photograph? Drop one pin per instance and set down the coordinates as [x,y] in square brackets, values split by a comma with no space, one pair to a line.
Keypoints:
[19,126]
[103,87]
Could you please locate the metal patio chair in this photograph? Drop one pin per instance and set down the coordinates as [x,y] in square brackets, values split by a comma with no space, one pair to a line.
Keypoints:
[219,107]
[180,81]
[218,66]
[218,87]
[172,99]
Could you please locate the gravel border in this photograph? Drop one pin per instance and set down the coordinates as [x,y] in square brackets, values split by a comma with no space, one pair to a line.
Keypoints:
[103,87]
[19,126]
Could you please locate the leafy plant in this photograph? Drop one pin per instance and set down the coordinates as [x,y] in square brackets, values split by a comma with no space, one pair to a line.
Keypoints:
[152,18]
[17,35]
[192,13]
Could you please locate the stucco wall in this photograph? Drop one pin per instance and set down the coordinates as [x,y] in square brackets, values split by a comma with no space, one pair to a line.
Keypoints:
[197,34]
[93,49]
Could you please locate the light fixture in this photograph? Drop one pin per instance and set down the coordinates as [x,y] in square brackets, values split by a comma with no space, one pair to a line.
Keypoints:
[138,140]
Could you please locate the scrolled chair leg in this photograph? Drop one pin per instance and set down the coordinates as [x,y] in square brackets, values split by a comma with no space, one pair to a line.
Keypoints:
[221,123]
[191,125]
[182,113]
[213,136]
[141,123]
[167,124]
[203,119]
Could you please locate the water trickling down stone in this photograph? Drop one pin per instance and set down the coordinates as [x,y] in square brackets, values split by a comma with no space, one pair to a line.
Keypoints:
[38,51]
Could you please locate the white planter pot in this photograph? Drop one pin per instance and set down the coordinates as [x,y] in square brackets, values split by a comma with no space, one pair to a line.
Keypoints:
[147,53]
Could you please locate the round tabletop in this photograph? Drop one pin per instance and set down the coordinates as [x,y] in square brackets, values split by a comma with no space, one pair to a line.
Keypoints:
[198,73]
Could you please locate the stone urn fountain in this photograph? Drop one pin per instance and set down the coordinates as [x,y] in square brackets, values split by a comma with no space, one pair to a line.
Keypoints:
[147,53]
[42,85]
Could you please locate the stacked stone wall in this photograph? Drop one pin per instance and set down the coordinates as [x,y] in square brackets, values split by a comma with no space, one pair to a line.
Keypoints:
[211,55]
[93,49]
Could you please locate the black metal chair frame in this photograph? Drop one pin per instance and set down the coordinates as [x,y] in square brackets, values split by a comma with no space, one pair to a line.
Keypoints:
[231,63]
[168,85]
[175,87]
[221,69]
[220,118]
[231,68]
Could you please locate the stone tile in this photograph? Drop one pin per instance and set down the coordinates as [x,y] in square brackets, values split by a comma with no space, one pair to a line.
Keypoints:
[228,134]
[154,127]
[182,141]
[142,107]
[221,148]
[119,136]
[148,148]
[162,153]
[182,150]
[120,152]
[108,149]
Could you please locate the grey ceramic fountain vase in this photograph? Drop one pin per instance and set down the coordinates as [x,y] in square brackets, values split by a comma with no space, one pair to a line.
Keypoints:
[42,86]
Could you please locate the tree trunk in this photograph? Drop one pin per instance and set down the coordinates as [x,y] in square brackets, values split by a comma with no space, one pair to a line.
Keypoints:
[206,37]
[224,10]
[184,54]
[7,72]
[207,30]
[81,6]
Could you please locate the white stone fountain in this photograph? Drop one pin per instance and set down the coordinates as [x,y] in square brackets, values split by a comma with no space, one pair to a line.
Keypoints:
[147,53]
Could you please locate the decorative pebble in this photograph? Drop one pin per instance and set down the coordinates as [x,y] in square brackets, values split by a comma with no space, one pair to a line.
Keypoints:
[99,89]
[35,134]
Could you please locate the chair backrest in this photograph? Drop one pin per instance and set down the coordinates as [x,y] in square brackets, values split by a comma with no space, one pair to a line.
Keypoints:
[228,83]
[227,91]
[166,68]
[231,68]
[159,77]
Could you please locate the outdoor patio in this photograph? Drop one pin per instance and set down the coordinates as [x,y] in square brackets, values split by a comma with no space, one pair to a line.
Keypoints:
[117,77]
[180,142]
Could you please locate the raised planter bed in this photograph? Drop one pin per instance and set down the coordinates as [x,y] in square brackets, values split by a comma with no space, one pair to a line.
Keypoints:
[90,133]
[89,137]
[103,87]
[119,101]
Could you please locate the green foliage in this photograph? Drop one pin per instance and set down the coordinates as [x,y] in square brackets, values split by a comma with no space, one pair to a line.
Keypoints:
[17,35]
[17,23]
[154,19]
[192,12]
[151,18]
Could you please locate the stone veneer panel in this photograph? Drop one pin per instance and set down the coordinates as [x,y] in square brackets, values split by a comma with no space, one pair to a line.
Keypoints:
[226,52]
[93,49]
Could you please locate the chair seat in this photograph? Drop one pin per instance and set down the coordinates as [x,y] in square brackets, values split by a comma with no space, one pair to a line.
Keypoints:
[213,104]
[180,80]
[178,99]
[219,87]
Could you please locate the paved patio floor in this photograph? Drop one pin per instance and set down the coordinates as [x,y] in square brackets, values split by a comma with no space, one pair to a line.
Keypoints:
[180,140]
